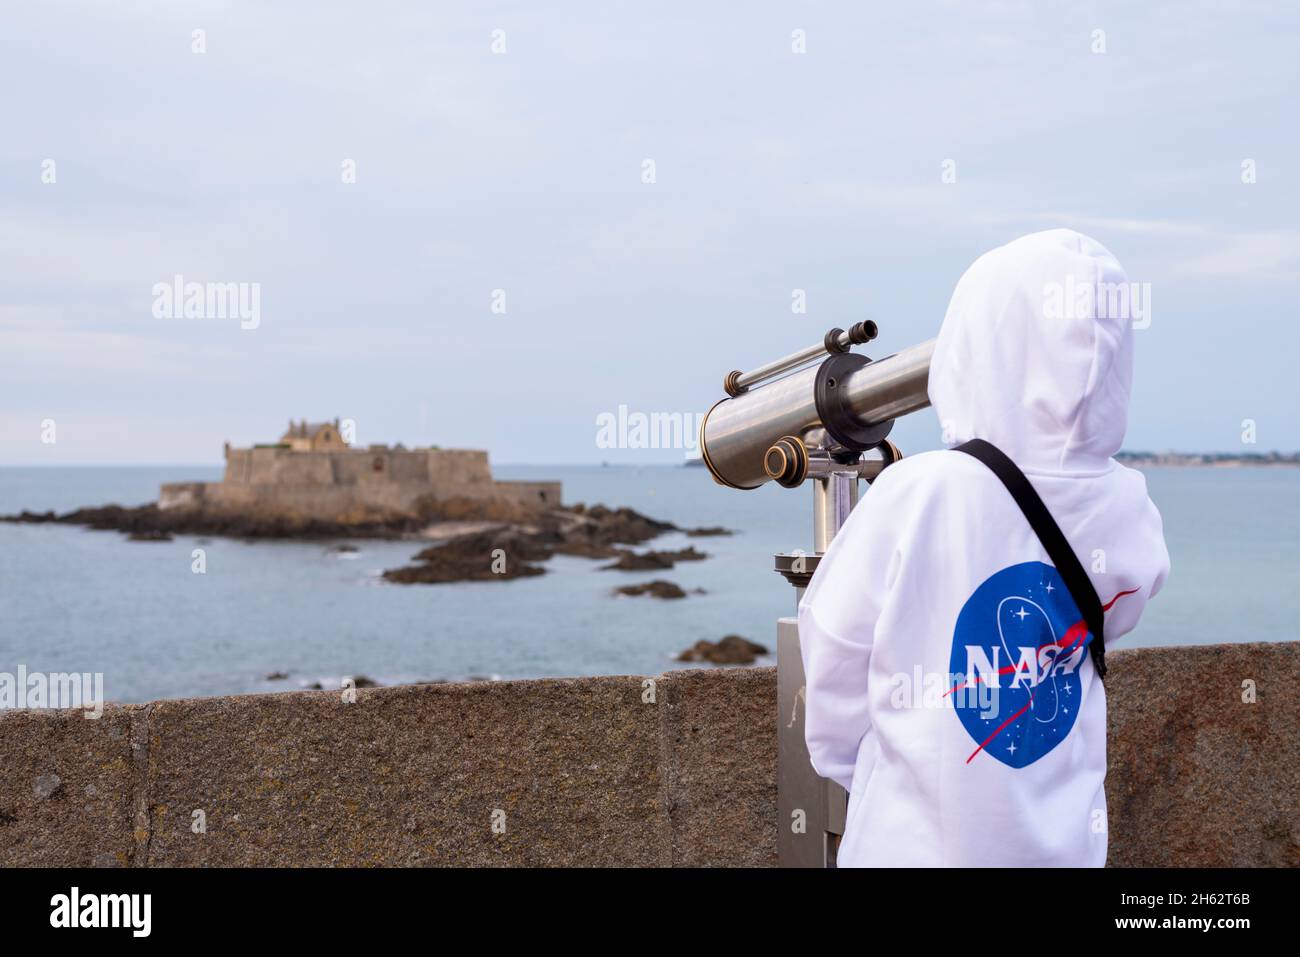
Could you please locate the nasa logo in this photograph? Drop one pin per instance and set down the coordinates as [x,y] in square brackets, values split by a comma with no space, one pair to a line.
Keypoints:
[1021,635]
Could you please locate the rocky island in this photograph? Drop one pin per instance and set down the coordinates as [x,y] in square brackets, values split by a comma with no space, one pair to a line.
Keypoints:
[313,484]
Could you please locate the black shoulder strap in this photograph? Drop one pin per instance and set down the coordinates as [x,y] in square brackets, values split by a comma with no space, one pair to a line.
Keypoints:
[1049,533]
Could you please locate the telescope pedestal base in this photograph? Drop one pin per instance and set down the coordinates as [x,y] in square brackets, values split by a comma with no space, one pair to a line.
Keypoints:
[811,809]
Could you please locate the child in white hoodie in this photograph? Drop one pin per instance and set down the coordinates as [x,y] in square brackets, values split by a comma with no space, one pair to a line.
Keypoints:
[930,696]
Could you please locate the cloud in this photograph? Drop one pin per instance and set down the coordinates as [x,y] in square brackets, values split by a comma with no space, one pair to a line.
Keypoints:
[1191,250]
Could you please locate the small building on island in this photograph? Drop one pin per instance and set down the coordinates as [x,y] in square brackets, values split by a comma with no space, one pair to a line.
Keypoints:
[314,437]
[314,472]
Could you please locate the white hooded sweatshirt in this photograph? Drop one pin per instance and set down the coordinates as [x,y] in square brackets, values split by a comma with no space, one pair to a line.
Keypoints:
[942,690]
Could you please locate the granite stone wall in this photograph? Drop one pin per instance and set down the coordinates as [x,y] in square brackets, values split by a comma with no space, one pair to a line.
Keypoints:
[677,770]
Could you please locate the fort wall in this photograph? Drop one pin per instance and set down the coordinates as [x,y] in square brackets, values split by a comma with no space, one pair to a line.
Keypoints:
[338,485]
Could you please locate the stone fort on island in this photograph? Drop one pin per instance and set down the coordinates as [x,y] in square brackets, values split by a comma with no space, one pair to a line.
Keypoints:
[314,472]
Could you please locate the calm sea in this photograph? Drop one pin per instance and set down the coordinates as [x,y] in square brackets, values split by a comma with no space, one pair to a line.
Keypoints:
[78,600]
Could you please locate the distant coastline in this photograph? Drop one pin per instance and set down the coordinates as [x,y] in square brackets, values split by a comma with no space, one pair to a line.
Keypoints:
[1208,459]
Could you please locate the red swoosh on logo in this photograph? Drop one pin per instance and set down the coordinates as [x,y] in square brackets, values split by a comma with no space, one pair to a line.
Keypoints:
[1073,635]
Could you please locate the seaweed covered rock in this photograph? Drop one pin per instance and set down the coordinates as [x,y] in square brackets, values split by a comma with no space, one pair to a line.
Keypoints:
[731,650]
[495,555]
[655,589]
[629,561]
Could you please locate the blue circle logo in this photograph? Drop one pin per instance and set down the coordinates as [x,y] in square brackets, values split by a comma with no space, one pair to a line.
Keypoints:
[1016,654]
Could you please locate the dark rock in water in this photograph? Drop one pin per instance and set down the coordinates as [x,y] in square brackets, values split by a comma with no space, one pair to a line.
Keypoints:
[511,543]
[634,562]
[690,554]
[591,532]
[587,550]
[361,681]
[436,573]
[277,676]
[314,686]
[731,650]
[572,530]
[495,555]
[652,560]
[255,523]
[513,550]
[624,525]
[710,531]
[655,589]
[31,518]
[344,548]
[525,536]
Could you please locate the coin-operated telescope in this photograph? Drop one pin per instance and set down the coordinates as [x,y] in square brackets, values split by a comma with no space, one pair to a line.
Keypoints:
[822,414]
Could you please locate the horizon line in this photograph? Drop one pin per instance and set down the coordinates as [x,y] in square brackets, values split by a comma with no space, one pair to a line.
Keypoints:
[601,464]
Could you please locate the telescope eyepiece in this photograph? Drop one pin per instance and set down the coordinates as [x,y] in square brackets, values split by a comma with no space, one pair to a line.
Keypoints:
[786,462]
[837,341]
[863,332]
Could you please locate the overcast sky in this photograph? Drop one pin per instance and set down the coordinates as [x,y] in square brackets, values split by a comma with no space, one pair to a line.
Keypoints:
[522,171]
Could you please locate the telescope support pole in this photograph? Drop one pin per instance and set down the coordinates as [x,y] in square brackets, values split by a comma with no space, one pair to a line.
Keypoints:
[834,496]
[812,809]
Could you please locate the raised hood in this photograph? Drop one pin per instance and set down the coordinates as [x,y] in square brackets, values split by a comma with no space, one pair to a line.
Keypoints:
[1035,357]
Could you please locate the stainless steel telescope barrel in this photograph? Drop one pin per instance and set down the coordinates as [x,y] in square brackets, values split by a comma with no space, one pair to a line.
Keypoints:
[738,431]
